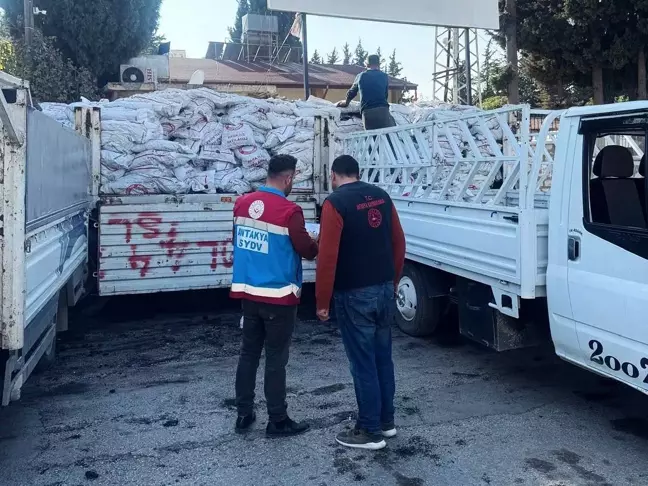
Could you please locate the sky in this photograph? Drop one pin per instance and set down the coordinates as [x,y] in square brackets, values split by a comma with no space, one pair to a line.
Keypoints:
[191,24]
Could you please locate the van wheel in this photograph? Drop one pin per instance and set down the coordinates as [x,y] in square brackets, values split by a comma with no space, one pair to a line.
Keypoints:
[418,315]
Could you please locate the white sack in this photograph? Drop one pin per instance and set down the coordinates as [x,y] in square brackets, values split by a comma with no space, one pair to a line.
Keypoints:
[216,153]
[252,156]
[115,160]
[278,135]
[235,136]
[160,158]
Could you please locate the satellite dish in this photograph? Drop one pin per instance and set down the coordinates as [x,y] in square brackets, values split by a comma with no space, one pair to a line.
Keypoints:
[198,77]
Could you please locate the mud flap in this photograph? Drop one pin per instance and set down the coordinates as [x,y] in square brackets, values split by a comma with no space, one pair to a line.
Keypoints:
[485,325]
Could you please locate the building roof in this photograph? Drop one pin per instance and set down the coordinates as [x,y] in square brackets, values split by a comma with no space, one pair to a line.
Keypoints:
[259,73]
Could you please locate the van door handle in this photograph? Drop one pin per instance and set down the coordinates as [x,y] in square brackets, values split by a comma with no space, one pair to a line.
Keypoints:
[573,248]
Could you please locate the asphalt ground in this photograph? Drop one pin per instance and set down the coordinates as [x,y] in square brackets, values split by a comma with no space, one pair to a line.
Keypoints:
[142,394]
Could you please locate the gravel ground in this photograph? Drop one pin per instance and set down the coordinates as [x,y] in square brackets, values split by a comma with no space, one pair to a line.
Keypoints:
[142,394]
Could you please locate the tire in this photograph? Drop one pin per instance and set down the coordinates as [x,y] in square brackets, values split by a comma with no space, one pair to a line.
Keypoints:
[417,314]
[49,356]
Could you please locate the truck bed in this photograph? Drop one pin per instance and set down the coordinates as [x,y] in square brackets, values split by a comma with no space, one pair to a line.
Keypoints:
[170,243]
[471,192]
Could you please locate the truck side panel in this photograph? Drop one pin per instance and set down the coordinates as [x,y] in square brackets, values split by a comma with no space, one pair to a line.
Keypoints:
[58,170]
[160,244]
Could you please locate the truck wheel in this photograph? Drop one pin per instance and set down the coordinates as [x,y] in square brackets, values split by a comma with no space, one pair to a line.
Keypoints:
[418,315]
[48,358]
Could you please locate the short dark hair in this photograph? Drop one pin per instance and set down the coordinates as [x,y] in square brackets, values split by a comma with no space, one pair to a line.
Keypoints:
[281,163]
[373,60]
[346,166]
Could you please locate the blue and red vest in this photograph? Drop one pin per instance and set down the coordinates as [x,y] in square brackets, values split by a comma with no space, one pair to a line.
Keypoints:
[266,266]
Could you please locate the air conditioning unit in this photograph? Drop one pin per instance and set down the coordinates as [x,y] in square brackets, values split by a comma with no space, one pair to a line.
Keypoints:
[133,74]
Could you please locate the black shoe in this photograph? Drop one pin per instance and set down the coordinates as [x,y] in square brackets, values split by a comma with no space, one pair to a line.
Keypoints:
[286,428]
[359,439]
[243,422]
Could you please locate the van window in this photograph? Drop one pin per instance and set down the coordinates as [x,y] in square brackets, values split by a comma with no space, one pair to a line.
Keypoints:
[615,186]
[617,189]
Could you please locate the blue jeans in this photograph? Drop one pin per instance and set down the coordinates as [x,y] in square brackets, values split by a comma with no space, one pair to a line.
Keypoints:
[365,317]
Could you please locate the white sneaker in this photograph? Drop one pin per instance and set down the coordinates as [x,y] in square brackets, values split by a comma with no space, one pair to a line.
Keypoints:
[359,439]
[389,431]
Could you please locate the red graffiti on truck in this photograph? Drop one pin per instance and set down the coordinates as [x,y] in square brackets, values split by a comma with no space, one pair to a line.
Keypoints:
[219,250]
[150,226]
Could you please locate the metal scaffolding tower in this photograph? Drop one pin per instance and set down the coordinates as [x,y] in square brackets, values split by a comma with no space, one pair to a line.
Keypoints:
[457,66]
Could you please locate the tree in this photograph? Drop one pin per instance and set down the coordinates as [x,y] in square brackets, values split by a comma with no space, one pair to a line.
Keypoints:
[332,57]
[380,56]
[154,44]
[236,32]
[97,35]
[394,68]
[512,63]
[580,44]
[52,76]
[316,59]
[346,54]
[360,55]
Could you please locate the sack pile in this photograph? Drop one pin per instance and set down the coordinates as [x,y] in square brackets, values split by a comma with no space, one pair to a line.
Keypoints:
[177,141]
[201,141]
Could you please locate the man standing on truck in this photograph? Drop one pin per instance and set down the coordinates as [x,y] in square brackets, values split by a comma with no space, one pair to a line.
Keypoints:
[362,253]
[270,239]
[373,86]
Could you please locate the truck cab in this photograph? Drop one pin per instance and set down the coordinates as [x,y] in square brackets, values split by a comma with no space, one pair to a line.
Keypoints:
[597,276]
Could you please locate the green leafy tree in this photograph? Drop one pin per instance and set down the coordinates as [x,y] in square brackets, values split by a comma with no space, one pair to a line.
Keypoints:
[579,45]
[333,57]
[346,54]
[316,59]
[236,32]
[52,76]
[96,35]
[360,55]
[380,56]
[394,68]
[154,44]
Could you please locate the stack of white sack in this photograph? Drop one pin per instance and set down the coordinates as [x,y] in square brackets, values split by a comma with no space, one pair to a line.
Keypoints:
[179,141]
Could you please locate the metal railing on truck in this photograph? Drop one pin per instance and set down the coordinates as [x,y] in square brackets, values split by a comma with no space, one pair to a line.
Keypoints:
[473,158]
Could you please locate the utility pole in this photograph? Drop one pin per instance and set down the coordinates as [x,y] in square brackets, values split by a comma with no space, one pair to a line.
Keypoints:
[29,22]
[510,29]
[305,57]
[28,13]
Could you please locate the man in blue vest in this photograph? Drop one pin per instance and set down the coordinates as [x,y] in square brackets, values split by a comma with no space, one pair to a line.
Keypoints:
[270,240]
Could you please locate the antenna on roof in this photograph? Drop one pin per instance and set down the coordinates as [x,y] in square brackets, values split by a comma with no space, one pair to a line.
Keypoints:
[197,78]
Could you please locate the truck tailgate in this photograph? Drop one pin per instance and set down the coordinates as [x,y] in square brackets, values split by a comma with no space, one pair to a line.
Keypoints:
[169,243]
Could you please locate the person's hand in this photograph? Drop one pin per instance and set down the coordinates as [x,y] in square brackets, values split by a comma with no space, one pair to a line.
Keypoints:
[323,315]
[342,104]
[314,236]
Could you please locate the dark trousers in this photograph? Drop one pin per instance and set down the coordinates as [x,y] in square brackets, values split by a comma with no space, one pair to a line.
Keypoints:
[271,326]
[375,118]
[365,317]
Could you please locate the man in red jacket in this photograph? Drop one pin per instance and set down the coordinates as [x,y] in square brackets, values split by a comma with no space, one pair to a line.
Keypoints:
[361,257]
[270,240]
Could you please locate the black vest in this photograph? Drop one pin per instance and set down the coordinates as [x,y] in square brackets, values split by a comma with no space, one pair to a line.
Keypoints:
[365,255]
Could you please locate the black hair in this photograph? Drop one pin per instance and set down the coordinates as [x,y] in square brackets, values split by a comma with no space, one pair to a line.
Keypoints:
[346,166]
[280,164]
[373,60]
